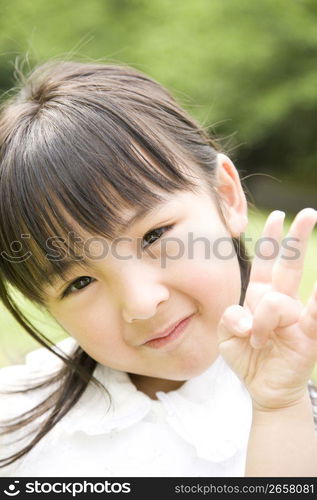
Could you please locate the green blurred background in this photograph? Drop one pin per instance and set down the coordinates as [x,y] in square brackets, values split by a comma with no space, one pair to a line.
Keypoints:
[246,69]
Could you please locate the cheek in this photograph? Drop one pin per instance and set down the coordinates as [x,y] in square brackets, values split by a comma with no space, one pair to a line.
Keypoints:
[215,284]
[92,328]
[208,271]
[98,338]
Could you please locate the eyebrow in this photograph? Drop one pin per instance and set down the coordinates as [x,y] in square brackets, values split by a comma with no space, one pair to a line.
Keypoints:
[66,266]
[141,213]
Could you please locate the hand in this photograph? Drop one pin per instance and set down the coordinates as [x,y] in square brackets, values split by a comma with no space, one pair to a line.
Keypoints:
[275,350]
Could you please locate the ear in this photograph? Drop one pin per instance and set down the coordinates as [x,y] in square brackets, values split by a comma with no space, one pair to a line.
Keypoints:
[232,197]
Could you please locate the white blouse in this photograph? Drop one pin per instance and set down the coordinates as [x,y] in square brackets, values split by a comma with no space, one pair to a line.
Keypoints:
[201,429]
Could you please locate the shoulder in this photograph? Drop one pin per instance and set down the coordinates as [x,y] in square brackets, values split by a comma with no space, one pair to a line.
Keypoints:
[15,380]
[38,362]
[39,365]
[16,399]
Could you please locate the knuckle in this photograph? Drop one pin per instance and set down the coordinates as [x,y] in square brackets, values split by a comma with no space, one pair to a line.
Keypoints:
[272,301]
[231,311]
[312,312]
[257,328]
[307,324]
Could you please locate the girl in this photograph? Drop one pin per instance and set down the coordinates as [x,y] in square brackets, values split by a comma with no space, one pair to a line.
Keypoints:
[121,218]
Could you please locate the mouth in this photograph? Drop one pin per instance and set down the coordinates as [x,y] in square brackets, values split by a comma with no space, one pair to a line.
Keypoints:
[170,334]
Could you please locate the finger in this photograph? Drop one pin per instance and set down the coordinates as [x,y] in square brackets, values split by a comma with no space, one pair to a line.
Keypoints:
[275,310]
[267,248]
[288,269]
[235,321]
[308,318]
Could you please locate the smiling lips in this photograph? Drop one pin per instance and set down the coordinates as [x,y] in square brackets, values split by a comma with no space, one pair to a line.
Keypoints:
[160,339]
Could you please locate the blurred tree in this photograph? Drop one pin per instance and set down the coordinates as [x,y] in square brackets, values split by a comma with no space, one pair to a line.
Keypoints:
[249,67]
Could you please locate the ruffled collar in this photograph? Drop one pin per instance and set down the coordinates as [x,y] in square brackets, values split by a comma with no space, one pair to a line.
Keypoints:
[212,411]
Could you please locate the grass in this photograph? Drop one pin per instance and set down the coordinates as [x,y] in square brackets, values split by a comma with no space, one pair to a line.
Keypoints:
[15,343]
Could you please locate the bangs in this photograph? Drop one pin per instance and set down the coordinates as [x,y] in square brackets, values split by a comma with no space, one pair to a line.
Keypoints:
[84,163]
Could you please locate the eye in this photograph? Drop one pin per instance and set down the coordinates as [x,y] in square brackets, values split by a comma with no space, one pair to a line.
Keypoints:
[84,281]
[155,234]
[78,285]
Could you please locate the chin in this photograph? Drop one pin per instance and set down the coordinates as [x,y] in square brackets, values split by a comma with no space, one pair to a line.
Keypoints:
[191,368]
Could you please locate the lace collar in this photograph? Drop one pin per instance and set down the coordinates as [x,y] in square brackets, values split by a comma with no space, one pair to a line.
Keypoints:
[212,411]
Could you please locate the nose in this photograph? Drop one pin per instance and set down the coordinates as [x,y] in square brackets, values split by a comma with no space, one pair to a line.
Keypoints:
[141,293]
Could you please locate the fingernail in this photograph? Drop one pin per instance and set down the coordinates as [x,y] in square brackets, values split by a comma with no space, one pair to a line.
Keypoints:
[244,324]
[279,212]
[310,211]
[255,343]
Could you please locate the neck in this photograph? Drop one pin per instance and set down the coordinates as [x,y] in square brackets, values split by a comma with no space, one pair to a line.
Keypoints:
[151,385]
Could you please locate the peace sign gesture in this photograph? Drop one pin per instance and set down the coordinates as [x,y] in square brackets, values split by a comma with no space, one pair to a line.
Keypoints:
[271,342]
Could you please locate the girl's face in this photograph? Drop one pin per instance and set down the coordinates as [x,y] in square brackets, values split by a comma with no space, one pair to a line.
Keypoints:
[150,280]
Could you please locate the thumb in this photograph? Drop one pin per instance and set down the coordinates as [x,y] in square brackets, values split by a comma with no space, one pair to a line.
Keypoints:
[236,321]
